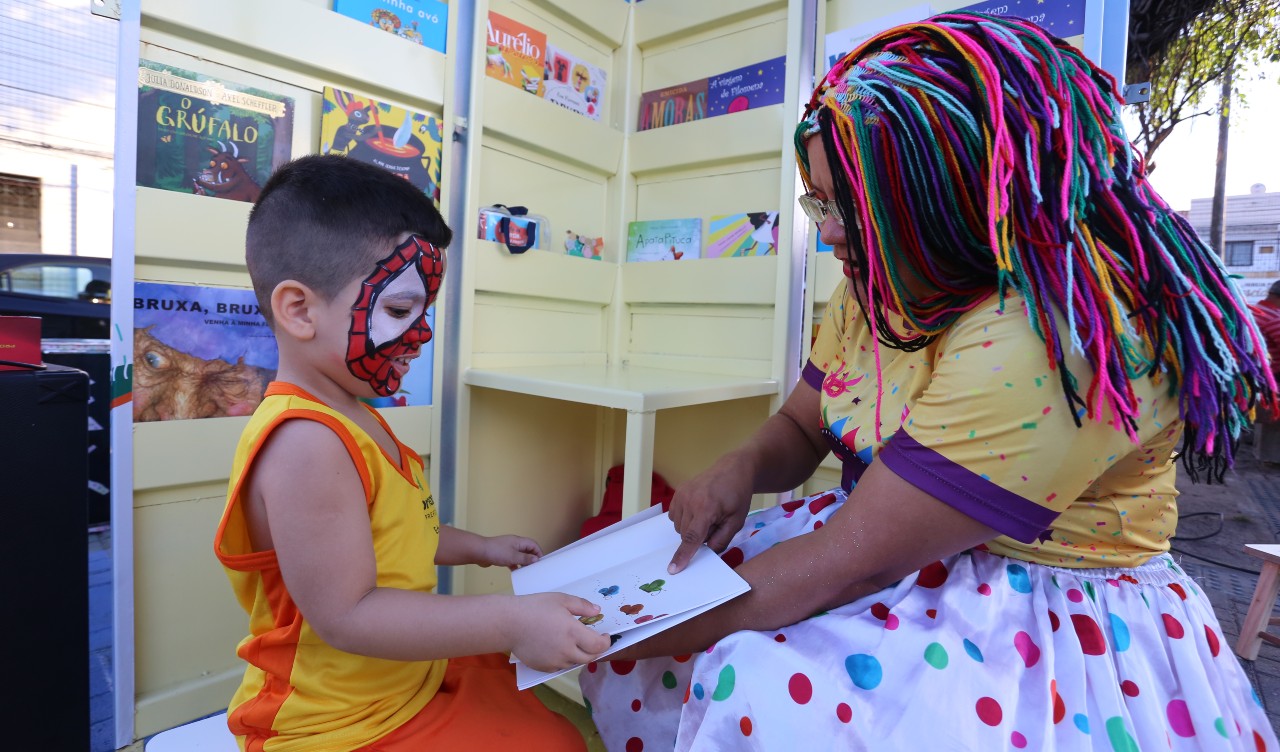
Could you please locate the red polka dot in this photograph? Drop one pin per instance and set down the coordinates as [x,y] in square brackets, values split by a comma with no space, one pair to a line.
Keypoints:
[844,713]
[1175,587]
[1129,688]
[821,503]
[880,611]
[792,506]
[745,725]
[1214,645]
[1259,743]
[622,668]
[1173,627]
[591,667]
[1018,740]
[635,706]
[779,637]
[989,711]
[817,524]
[932,576]
[1059,707]
[1054,622]
[1090,636]
[635,744]
[801,688]
[984,589]
[682,658]
[733,557]
[932,613]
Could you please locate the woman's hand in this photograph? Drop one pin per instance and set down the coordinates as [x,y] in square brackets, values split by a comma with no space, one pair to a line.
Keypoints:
[510,551]
[711,507]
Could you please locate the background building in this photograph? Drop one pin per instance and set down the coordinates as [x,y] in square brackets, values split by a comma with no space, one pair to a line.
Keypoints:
[57,123]
[1252,237]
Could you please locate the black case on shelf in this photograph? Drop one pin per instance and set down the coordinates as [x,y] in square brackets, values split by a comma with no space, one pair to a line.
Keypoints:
[44,495]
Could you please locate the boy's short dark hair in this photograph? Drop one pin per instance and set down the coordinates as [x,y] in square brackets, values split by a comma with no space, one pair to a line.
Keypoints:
[326,220]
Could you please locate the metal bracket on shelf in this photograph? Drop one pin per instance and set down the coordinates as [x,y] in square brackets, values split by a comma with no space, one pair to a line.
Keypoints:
[105,8]
[1137,93]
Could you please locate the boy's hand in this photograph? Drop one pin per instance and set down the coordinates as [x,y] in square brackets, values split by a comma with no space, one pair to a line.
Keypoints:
[510,551]
[547,636]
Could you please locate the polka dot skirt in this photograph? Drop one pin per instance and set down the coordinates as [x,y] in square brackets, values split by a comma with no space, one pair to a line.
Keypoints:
[975,652]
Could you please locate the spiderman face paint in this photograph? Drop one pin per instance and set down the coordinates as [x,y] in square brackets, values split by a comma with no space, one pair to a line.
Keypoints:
[389,319]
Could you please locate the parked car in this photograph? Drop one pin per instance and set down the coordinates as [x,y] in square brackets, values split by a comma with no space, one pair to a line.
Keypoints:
[72,294]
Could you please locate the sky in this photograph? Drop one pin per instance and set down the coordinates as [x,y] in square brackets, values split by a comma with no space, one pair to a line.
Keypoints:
[1185,162]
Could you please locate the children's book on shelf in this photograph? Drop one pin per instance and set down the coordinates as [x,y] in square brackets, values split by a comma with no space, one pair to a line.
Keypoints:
[514,53]
[749,234]
[625,568]
[840,43]
[673,105]
[582,245]
[664,240]
[1062,18]
[745,88]
[573,83]
[421,21]
[403,142]
[208,136]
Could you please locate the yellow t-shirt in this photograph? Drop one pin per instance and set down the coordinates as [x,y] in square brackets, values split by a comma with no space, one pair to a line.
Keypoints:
[298,693]
[978,420]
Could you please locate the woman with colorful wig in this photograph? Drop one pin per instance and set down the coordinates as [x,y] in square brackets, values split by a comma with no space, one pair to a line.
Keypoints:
[1026,341]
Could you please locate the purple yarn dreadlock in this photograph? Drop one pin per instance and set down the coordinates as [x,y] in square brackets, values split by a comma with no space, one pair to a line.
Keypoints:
[987,155]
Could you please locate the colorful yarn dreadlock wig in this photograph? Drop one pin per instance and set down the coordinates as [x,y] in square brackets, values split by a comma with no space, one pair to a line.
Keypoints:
[984,155]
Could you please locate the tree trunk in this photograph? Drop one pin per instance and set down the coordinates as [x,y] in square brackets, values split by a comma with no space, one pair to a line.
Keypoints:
[1217,224]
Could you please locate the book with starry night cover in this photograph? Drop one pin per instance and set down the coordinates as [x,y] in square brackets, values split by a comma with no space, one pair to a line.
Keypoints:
[746,88]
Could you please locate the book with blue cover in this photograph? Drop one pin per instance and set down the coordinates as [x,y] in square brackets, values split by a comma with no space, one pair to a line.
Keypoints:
[422,22]
[748,87]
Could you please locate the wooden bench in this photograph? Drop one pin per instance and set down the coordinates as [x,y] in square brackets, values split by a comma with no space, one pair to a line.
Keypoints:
[1254,629]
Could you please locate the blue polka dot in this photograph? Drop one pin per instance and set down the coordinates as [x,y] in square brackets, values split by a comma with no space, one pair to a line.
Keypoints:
[1256,699]
[1082,722]
[1019,580]
[864,670]
[697,691]
[1119,634]
[973,651]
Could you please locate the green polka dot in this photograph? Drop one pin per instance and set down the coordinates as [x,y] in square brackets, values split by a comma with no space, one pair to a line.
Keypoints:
[1088,589]
[936,655]
[1119,736]
[587,702]
[724,687]
[669,680]
[1221,726]
[1028,426]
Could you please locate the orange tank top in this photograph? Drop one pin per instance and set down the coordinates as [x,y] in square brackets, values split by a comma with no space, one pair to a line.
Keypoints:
[298,693]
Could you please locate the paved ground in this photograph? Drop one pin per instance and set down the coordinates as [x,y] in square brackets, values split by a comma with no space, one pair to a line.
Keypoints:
[1249,506]
[1245,510]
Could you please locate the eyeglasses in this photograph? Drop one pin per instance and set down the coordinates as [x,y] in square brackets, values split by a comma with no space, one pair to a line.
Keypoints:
[817,210]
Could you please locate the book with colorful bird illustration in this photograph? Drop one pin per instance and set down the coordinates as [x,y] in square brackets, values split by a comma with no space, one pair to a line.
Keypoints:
[627,577]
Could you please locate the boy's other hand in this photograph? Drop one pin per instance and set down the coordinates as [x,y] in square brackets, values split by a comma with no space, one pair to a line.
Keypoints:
[510,551]
[547,636]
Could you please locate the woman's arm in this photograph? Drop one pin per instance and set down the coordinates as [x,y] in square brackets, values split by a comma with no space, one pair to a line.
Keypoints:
[886,530]
[779,456]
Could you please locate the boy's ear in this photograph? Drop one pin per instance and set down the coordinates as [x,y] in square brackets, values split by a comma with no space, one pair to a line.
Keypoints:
[293,309]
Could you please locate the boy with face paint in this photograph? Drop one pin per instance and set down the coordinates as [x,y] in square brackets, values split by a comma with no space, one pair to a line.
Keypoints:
[330,536]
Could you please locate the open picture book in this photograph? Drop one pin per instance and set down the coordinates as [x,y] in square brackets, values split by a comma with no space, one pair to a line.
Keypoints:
[623,569]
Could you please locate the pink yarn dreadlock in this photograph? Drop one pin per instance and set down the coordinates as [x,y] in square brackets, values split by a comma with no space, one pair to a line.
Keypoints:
[985,155]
